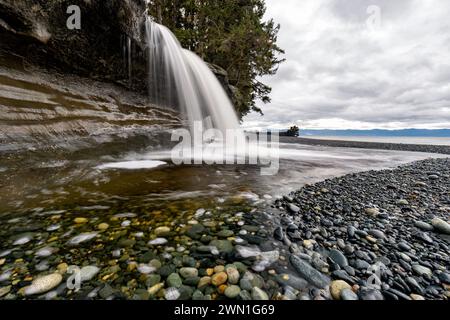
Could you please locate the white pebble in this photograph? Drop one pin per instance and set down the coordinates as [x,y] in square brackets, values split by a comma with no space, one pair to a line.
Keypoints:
[146,269]
[43,284]
[53,227]
[22,240]
[172,294]
[82,238]
[157,242]
[45,252]
[88,273]
[5,253]
[126,223]
[5,275]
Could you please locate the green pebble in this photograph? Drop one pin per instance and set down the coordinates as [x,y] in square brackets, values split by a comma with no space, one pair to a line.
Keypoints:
[155,263]
[192,281]
[189,261]
[198,295]
[152,280]
[225,233]
[166,270]
[174,280]
[232,292]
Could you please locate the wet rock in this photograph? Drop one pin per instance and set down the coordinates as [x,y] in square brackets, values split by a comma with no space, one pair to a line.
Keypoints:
[421,270]
[306,271]
[106,292]
[152,280]
[188,272]
[361,264]
[204,281]
[162,231]
[219,278]
[80,220]
[166,270]
[348,295]
[172,294]
[232,292]
[371,294]
[373,212]
[126,243]
[423,226]
[4,291]
[196,231]
[103,226]
[46,252]
[22,239]
[157,242]
[404,246]
[43,284]
[351,231]
[82,238]
[293,208]
[146,269]
[233,275]
[337,287]
[441,225]
[444,277]
[153,290]
[88,273]
[377,234]
[174,280]
[223,246]
[338,257]
[343,275]
[279,234]
[259,295]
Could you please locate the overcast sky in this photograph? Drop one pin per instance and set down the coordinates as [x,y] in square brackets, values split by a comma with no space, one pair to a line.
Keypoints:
[346,69]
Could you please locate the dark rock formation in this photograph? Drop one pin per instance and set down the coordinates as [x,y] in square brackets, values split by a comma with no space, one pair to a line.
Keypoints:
[37,30]
[49,111]
[236,97]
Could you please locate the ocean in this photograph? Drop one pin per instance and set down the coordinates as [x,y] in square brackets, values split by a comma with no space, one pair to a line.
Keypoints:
[442,141]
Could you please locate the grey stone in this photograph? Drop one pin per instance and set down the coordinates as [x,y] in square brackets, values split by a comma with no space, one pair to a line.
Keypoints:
[338,257]
[306,271]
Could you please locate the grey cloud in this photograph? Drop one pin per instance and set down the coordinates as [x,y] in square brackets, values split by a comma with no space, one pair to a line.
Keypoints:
[337,69]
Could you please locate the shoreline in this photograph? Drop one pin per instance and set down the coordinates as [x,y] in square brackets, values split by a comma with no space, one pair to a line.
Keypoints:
[441,149]
[392,222]
[321,242]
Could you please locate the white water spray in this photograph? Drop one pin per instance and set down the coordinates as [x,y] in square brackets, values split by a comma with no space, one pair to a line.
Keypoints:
[179,78]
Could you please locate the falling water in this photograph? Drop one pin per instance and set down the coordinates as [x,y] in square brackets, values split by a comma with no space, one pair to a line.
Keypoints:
[179,78]
[127,56]
[129,60]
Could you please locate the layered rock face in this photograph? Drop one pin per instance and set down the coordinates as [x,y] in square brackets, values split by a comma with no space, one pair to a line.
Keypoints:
[48,111]
[38,31]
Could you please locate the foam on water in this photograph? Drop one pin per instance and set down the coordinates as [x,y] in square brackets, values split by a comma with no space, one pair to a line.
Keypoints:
[132,165]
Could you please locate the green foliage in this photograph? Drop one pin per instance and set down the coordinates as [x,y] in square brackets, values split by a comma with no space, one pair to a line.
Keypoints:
[231,34]
[293,131]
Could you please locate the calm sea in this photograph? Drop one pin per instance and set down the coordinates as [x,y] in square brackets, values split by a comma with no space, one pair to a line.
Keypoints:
[407,140]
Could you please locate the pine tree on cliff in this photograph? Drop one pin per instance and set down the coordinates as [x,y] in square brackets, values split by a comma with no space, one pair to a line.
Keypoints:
[231,34]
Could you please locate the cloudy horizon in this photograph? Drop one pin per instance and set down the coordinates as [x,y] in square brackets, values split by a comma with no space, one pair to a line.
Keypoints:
[347,69]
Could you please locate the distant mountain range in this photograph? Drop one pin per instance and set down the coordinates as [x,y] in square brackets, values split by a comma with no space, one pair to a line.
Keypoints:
[379,133]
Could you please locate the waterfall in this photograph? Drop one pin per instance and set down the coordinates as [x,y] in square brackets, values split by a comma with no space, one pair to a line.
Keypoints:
[179,78]
[129,61]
